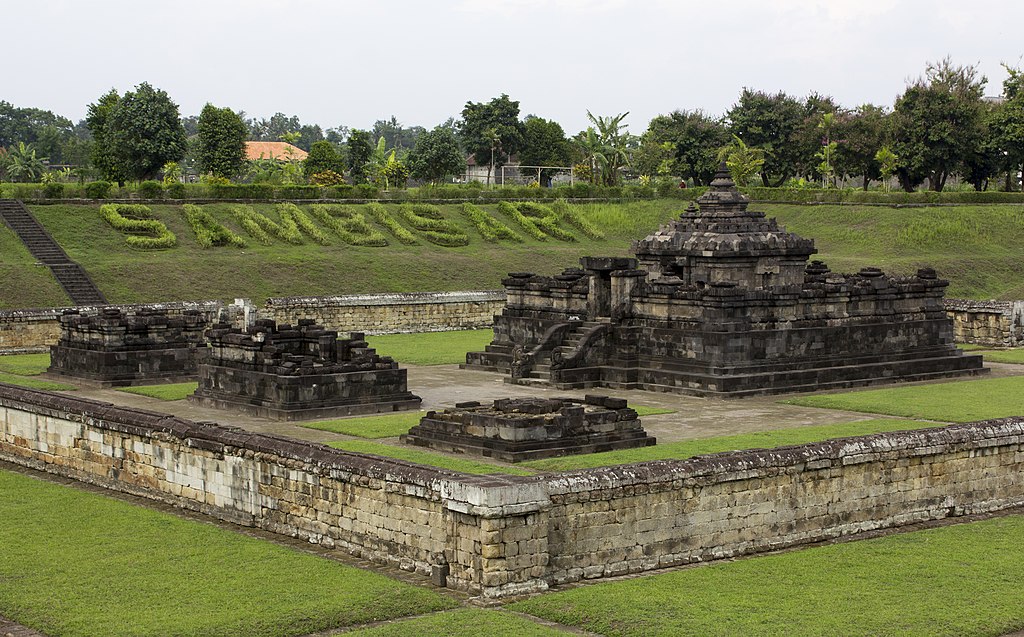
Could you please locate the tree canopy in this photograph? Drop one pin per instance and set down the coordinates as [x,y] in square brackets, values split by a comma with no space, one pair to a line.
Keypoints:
[221,141]
[436,155]
[136,134]
[491,131]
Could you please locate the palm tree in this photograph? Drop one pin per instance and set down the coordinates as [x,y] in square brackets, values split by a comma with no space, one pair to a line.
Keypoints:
[22,164]
[613,142]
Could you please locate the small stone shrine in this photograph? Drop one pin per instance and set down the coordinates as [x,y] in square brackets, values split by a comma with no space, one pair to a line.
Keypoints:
[296,373]
[117,348]
[722,302]
[518,429]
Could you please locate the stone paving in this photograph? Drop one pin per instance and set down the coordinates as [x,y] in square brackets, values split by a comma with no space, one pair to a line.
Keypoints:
[441,386]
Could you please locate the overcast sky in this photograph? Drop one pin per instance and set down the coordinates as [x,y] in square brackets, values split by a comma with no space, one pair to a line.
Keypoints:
[350,63]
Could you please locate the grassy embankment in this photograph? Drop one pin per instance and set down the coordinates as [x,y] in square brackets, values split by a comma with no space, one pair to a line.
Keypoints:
[976,247]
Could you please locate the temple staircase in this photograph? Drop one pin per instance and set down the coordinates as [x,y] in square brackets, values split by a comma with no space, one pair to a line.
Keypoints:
[540,373]
[71,276]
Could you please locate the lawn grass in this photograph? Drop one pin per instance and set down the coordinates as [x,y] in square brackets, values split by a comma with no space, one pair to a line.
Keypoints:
[428,458]
[23,282]
[646,410]
[962,401]
[384,426]
[34,383]
[25,364]
[1015,356]
[172,391]
[462,622]
[975,247]
[391,425]
[79,564]
[957,580]
[431,348]
[754,440]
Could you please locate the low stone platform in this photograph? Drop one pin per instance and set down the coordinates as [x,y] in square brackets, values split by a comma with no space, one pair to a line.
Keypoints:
[115,348]
[298,373]
[518,429]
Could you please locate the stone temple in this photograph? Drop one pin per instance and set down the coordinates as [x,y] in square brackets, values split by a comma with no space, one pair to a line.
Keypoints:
[518,429]
[722,302]
[300,372]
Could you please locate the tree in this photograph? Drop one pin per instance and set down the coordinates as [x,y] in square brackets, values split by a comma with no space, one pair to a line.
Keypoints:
[771,123]
[743,162]
[1007,125]
[491,132]
[888,162]
[827,153]
[143,132]
[322,158]
[22,164]
[102,155]
[861,134]
[436,155]
[221,136]
[396,136]
[936,123]
[696,138]
[809,138]
[652,157]
[358,152]
[544,144]
[615,144]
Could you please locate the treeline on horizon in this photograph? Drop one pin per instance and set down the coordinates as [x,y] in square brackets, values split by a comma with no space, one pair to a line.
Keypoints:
[941,126]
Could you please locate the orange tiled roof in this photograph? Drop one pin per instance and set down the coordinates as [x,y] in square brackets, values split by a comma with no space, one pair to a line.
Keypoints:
[273,150]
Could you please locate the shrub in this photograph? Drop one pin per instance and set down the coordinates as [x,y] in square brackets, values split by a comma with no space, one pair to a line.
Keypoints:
[146,233]
[298,192]
[249,219]
[429,221]
[53,190]
[342,191]
[207,230]
[489,228]
[537,220]
[293,216]
[381,215]
[176,190]
[349,224]
[151,190]
[327,178]
[241,191]
[366,191]
[573,216]
[97,189]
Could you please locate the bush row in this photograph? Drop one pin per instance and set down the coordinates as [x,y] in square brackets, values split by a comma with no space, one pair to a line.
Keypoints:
[144,232]
[432,224]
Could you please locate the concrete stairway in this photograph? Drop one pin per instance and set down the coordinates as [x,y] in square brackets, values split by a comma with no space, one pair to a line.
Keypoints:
[541,372]
[76,283]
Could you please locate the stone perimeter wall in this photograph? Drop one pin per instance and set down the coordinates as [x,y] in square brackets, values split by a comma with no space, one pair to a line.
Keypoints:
[391,313]
[995,323]
[37,329]
[501,536]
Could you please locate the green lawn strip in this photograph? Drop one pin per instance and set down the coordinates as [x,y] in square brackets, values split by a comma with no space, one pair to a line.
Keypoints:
[462,622]
[968,347]
[385,426]
[646,410]
[25,364]
[961,401]
[957,580]
[431,348]
[34,383]
[1015,356]
[172,391]
[754,440]
[81,564]
[428,458]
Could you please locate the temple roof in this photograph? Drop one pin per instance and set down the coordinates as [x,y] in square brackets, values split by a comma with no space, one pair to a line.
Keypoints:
[722,226]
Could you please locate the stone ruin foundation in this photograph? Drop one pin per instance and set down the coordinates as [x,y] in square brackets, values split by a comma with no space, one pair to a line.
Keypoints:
[722,302]
[296,373]
[518,429]
[118,348]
